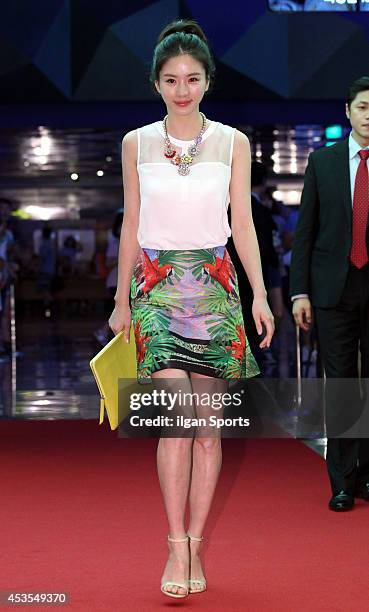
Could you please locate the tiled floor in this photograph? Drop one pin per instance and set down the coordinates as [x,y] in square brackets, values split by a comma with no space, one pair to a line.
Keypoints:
[50,375]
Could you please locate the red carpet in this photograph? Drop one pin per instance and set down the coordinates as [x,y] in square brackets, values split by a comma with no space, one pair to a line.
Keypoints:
[81,512]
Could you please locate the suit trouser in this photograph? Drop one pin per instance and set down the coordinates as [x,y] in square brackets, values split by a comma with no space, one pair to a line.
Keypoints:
[343,331]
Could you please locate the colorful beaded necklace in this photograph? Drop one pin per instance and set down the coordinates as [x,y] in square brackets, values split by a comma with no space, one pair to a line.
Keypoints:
[183,161]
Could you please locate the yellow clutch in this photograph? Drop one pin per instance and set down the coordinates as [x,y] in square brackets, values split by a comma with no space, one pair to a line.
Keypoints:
[117,360]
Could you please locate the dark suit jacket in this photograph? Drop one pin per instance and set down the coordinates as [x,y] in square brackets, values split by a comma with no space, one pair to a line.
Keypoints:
[322,243]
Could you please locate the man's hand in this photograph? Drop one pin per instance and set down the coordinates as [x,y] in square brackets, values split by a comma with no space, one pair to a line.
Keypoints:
[302,313]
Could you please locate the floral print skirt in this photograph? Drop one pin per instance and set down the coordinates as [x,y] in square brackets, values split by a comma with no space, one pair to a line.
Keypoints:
[186,313]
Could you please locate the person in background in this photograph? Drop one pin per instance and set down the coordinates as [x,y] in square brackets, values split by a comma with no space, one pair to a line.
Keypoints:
[276,268]
[3,352]
[2,281]
[7,274]
[288,237]
[283,344]
[67,256]
[47,272]
[103,334]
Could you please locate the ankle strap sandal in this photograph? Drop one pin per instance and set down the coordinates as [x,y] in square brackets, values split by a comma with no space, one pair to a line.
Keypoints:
[197,585]
[180,585]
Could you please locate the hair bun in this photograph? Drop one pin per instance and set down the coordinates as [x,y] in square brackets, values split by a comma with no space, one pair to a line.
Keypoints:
[185,26]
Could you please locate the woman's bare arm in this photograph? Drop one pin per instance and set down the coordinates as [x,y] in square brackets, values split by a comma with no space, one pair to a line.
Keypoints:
[128,244]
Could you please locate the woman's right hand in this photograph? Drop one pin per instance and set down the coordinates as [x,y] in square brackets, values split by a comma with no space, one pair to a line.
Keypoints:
[120,319]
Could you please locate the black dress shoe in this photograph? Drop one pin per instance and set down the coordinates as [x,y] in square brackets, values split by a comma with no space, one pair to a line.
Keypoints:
[341,502]
[363,492]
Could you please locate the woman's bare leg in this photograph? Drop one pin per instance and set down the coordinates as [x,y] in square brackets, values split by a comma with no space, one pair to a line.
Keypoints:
[206,465]
[174,471]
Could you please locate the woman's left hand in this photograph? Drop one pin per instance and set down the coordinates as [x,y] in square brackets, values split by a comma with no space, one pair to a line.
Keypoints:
[263,315]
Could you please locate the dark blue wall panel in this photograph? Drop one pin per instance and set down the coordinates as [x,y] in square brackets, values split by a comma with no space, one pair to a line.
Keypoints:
[94,53]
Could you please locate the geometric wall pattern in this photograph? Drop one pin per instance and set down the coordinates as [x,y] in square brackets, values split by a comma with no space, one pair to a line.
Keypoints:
[93,50]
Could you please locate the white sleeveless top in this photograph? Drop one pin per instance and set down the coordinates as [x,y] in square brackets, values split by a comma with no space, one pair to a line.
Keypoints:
[184,212]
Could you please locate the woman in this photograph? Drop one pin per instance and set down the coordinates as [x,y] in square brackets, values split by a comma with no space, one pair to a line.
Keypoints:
[178,175]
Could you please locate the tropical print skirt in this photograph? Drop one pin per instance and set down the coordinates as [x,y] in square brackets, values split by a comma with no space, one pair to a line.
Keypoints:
[187,314]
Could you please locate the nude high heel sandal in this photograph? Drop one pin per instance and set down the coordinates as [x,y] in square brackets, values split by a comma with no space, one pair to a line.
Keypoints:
[197,585]
[180,585]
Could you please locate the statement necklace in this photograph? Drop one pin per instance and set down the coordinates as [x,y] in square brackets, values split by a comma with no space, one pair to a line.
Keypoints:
[185,160]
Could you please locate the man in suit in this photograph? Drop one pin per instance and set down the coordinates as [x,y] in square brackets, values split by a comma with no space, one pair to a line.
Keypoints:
[330,276]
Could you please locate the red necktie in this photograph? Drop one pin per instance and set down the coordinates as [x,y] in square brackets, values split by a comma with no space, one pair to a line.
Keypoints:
[359,255]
